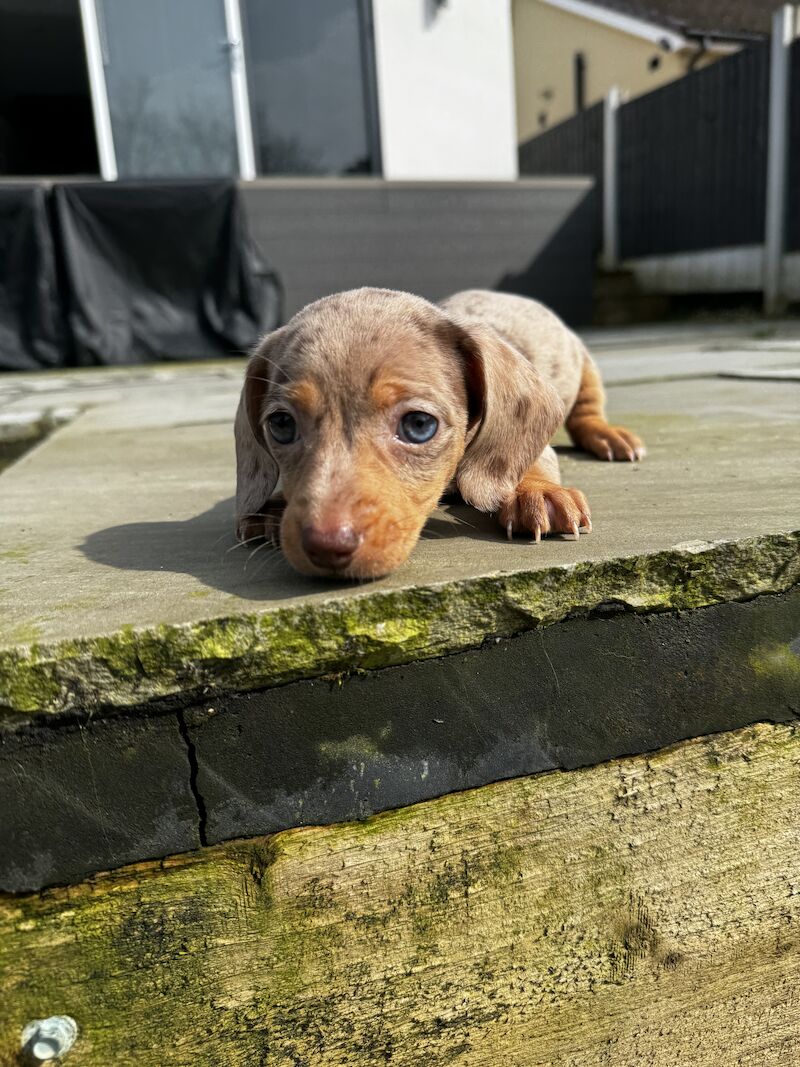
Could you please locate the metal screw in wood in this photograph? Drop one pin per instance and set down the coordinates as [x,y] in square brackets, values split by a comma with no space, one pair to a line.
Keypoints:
[49,1039]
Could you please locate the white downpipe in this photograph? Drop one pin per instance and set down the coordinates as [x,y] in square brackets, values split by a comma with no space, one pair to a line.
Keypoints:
[241,99]
[96,68]
[783,31]
[610,255]
[97,86]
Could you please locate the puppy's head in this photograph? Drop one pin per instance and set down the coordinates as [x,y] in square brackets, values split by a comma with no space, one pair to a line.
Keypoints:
[367,404]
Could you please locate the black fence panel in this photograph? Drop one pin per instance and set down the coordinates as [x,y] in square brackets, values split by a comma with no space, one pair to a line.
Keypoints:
[793,176]
[573,147]
[693,159]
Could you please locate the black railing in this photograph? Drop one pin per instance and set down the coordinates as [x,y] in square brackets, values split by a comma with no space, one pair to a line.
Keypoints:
[693,160]
[574,147]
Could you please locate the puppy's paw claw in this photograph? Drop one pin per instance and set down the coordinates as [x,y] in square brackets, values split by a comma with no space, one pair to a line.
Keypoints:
[545,508]
[613,442]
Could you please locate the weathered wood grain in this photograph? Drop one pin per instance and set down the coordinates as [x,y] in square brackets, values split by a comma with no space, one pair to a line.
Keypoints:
[645,911]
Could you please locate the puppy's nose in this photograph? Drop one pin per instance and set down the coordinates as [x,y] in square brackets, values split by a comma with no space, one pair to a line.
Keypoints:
[331,547]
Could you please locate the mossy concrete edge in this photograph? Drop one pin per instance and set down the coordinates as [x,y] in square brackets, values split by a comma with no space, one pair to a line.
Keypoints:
[365,632]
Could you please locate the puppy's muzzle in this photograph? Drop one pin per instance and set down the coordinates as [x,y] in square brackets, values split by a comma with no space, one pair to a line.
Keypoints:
[330,547]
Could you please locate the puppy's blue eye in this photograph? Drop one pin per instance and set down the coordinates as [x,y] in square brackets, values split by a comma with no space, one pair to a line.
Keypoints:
[417,427]
[282,427]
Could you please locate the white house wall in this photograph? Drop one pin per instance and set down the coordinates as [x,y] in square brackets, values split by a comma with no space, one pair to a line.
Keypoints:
[446,89]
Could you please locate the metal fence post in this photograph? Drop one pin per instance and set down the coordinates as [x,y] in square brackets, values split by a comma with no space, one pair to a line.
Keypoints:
[610,254]
[783,29]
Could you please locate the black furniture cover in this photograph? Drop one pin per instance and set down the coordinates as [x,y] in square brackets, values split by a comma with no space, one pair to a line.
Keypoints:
[32,327]
[161,270]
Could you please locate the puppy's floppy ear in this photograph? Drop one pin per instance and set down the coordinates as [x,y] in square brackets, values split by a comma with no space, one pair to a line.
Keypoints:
[515,412]
[256,470]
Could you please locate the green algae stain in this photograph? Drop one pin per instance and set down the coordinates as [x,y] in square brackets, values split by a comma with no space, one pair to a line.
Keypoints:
[26,683]
[350,749]
[777,663]
[16,555]
[118,654]
[26,634]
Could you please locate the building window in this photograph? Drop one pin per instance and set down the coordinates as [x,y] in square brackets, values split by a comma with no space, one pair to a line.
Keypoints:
[311,85]
[168,82]
[188,88]
[46,124]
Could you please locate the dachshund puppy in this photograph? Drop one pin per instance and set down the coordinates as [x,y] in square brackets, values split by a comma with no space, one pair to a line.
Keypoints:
[370,404]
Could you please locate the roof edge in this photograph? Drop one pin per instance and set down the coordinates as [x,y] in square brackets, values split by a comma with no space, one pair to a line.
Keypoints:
[670,39]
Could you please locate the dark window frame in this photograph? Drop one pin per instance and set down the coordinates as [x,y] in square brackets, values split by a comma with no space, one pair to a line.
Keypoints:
[369,70]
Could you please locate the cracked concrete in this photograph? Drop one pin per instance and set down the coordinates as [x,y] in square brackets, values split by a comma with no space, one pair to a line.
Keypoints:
[194,770]
[91,794]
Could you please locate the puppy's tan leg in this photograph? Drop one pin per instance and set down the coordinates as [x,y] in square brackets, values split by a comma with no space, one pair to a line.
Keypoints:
[541,505]
[587,424]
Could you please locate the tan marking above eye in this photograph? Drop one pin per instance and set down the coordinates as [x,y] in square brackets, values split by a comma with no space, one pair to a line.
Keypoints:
[386,392]
[305,396]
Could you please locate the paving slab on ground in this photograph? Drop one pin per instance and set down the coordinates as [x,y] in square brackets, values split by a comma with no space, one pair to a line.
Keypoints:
[121,520]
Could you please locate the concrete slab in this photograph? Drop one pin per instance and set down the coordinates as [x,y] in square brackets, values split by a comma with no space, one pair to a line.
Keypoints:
[121,580]
[686,362]
[738,330]
[83,796]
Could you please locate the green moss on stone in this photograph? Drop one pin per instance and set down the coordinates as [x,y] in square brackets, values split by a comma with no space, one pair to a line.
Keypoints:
[350,749]
[380,629]
[27,684]
[777,663]
[28,633]
[16,555]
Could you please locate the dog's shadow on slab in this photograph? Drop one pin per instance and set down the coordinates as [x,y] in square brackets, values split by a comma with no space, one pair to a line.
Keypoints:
[205,546]
[454,518]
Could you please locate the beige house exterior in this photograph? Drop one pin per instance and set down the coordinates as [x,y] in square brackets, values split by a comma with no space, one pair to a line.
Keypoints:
[554,38]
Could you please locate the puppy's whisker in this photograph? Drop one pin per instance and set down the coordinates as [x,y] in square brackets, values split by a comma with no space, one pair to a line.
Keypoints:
[223,537]
[462,522]
[241,544]
[270,564]
[257,549]
[265,360]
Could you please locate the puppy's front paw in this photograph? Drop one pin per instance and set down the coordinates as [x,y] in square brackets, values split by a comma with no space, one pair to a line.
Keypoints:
[612,442]
[542,508]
